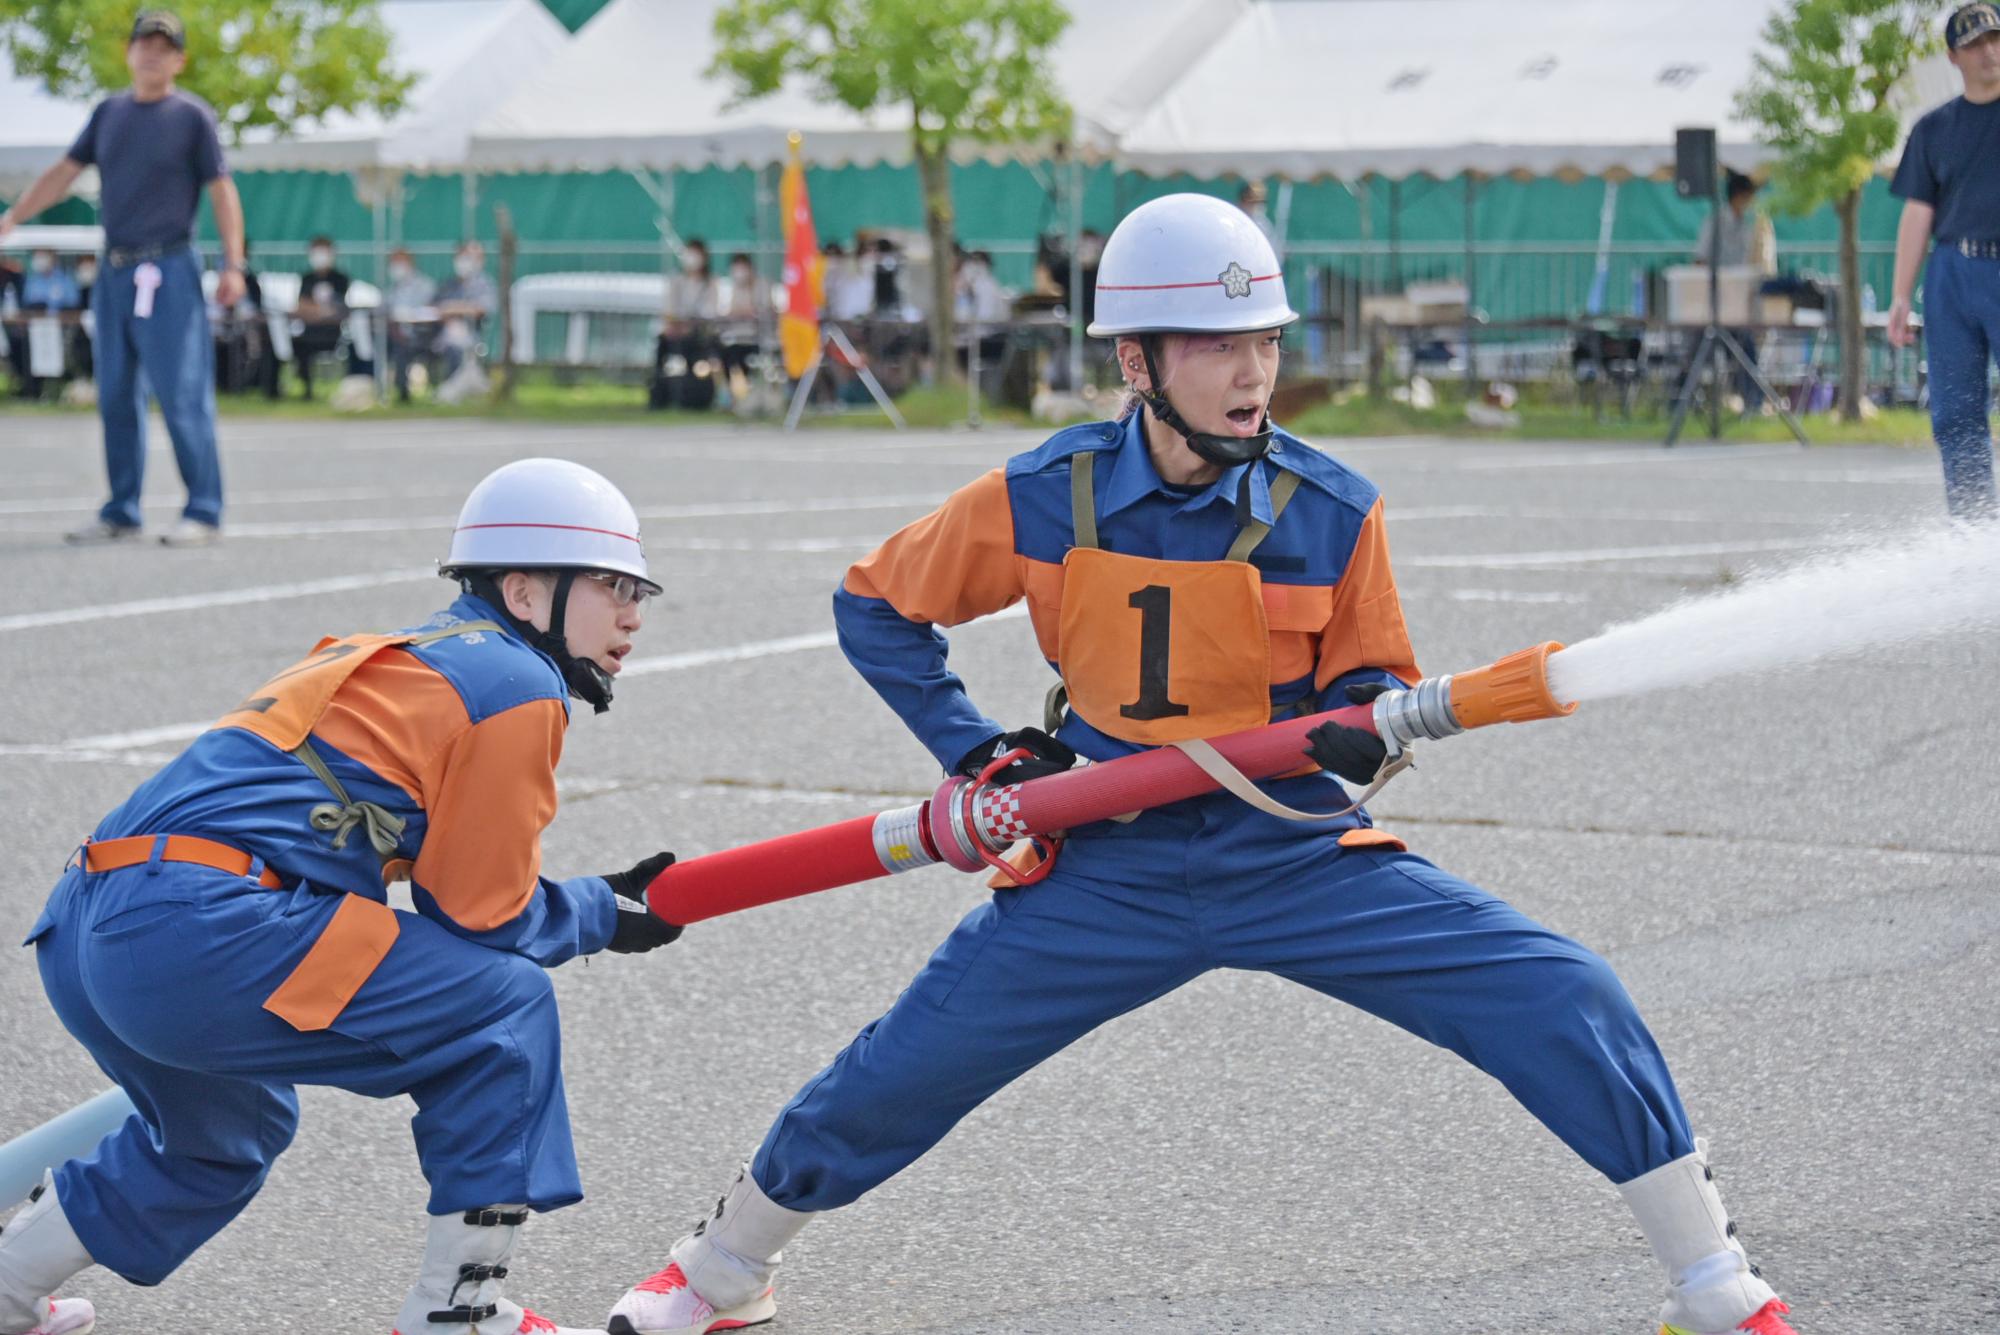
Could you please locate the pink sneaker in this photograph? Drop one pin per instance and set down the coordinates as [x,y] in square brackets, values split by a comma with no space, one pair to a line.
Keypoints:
[1766,1320]
[663,1304]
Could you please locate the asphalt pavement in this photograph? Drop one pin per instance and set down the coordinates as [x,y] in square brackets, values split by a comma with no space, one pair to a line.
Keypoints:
[1796,873]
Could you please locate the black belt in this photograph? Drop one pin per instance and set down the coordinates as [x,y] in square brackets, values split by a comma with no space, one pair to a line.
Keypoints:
[122,257]
[1976,250]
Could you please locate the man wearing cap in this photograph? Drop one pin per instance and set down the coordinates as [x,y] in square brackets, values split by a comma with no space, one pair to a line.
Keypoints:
[1951,192]
[155,148]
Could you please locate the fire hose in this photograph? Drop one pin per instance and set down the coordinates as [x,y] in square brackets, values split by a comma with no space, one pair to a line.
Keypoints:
[969,823]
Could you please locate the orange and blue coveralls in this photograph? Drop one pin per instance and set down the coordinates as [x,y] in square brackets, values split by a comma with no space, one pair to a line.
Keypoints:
[1133,910]
[209,991]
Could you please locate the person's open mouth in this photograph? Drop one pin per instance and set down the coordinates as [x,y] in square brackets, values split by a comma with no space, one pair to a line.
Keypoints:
[1245,420]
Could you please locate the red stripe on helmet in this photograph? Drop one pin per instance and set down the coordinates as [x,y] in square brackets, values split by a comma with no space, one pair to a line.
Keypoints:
[1173,287]
[567,528]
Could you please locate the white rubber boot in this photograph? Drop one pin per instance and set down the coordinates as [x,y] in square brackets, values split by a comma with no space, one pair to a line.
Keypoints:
[458,1286]
[720,1274]
[38,1251]
[1711,1285]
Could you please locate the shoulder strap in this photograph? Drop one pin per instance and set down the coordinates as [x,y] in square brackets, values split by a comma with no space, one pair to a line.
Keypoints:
[1083,498]
[1257,530]
[462,628]
[343,815]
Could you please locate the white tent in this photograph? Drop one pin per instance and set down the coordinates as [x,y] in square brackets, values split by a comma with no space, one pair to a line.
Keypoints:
[1308,88]
[467,56]
[35,129]
[632,92]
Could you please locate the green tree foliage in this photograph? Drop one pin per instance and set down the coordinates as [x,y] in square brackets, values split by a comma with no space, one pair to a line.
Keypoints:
[282,64]
[1820,96]
[969,71]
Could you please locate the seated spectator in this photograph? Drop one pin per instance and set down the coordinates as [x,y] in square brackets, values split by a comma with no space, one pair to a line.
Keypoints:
[244,355]
[693,295]
[45,289]
[887,271]
[412,318]
[745,309]
[979,302]
[684,358]
[319,318]
[465,302]
[48,287]
[850,293]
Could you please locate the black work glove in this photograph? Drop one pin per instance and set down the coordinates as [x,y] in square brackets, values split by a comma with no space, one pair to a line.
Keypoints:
[639,929]
[1355,754]
[1046,756]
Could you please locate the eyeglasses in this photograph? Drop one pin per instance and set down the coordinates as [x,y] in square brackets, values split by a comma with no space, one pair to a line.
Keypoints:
[625,589]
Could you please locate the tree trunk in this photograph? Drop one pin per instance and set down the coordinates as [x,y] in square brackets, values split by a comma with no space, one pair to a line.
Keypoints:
[934,179]
[1853,351]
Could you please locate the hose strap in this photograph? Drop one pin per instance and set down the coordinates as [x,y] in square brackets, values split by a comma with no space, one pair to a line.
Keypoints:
[1211,762]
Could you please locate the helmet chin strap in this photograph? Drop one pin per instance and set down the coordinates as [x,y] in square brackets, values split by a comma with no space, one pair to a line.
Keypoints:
[585,680]
[1222,451]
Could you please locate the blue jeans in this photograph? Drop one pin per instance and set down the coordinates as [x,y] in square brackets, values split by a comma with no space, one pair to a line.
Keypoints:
[1132,912]
[1962,338]
[161,971]
[170,354]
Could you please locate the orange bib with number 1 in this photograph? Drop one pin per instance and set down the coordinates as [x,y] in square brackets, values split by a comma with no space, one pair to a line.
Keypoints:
[1156,651]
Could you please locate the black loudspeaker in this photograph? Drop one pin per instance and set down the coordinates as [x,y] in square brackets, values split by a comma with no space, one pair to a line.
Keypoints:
[1694,163]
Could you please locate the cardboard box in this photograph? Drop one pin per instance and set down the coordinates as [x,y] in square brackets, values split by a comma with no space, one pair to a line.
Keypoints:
[1687,294]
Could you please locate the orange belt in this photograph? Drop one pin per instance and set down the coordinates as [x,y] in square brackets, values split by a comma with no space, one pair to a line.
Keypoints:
[112,854]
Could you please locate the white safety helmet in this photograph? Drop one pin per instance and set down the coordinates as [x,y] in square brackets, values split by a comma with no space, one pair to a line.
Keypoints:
[1189,264]
[547,514]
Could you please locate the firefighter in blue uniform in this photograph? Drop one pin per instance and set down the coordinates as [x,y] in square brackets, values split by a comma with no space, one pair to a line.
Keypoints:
[224,934]
[1191,572]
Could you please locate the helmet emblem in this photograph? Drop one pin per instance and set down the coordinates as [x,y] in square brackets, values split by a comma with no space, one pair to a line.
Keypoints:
[1235,280]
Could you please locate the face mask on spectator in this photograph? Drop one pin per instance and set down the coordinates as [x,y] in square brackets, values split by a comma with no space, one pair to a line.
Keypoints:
[466,265]
[43,263]
[321,258]
[399,269]
[86,274]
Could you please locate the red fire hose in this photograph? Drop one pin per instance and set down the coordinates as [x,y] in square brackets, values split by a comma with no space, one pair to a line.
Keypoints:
[968,823]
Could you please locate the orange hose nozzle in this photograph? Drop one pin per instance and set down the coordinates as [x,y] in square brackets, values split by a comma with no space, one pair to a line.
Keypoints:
[1514,689]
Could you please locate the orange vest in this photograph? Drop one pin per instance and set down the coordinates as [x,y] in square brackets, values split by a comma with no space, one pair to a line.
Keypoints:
[1156,651]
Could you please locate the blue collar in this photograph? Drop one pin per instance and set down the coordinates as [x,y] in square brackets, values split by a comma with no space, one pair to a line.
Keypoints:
[1134,478]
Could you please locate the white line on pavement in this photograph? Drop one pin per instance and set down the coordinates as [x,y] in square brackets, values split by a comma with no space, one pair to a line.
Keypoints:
[708,510]
[642,667]
[310,495]
[266,593]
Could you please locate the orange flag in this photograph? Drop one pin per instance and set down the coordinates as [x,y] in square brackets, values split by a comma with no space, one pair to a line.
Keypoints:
[805,276]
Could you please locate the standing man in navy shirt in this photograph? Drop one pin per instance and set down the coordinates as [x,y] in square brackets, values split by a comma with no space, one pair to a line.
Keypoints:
[155,149]
[1949,181]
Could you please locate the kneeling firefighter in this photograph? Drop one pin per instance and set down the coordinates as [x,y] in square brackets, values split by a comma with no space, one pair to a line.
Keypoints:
[224,935]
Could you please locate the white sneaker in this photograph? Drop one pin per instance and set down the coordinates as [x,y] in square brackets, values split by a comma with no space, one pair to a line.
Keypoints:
[663,1304]
[67,1316]
[39,1251]
[191,533]
[101,530]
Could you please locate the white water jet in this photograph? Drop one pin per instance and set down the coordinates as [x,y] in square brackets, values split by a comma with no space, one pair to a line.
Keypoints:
[1939,584]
